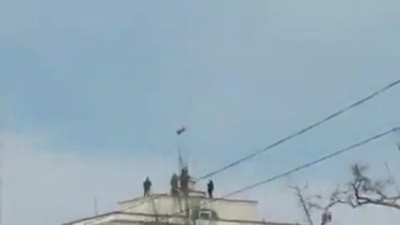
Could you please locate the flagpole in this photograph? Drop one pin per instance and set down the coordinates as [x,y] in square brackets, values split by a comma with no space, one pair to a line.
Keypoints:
[179,133]
[180,159]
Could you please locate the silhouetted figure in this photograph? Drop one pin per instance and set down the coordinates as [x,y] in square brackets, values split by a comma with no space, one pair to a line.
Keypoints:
[174,184]
[210,188]
[184,180]
[147,186]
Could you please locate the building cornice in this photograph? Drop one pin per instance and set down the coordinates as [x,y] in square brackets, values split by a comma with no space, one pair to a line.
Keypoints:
[168,216]
[154,196]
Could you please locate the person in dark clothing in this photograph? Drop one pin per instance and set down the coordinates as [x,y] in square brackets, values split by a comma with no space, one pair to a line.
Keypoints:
[147,187]
[174,184]
[184,180]
[210,188]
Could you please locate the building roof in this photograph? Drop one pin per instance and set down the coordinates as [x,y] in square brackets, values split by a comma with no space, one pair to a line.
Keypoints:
[200,197]
[116,213]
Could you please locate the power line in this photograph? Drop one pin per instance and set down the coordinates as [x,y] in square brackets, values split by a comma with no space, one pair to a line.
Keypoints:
[289,172]
[294,170]
[302,131]
[304,166]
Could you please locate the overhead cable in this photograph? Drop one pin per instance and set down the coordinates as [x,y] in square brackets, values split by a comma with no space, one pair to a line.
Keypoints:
[302,131]
[312,163]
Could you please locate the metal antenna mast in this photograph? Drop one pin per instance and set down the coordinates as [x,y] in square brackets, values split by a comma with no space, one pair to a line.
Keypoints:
[181,163]
[95,207]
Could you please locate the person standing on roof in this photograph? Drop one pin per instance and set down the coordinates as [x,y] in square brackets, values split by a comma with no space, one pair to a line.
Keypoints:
[174,184]
[210,188]
[147,186]
[184,181]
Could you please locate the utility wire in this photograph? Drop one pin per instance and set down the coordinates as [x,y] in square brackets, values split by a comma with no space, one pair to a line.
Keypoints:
[294,170]
[310,164]
[302,131]
[304,166]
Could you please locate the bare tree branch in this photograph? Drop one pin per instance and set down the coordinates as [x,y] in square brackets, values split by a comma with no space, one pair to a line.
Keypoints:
[362,191]
[305,205]
[308,204]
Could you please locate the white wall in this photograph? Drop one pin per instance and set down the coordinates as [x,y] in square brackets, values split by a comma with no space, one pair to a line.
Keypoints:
[226,209]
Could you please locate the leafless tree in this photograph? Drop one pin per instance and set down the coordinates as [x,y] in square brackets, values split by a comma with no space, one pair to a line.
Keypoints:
[362,190]
[303,203]
[310,204]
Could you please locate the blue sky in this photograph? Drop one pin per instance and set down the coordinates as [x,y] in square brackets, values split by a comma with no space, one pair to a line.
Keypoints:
[114,79]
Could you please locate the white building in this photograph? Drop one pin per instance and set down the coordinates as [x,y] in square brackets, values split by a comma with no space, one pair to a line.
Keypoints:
[194,209]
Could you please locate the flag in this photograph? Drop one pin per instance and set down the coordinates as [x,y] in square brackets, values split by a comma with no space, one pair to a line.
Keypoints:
[181,130]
